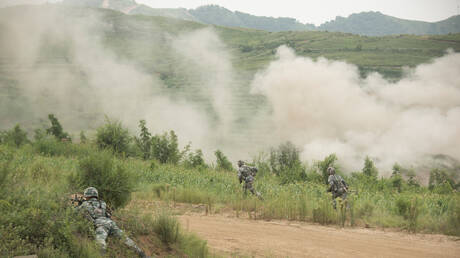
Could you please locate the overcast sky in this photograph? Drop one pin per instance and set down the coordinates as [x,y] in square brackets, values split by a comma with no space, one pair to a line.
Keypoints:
[320,11]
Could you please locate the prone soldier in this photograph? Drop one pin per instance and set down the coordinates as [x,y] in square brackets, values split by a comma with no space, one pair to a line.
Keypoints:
[97,212]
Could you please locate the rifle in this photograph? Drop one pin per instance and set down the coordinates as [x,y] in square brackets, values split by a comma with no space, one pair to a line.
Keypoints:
[76,200]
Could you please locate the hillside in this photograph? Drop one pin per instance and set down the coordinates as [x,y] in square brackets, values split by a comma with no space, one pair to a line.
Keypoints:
[213,14]
[364,23]
[147,42]
[378,24]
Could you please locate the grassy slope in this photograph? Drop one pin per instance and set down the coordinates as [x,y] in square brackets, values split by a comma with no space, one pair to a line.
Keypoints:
[253,49]
[36,217]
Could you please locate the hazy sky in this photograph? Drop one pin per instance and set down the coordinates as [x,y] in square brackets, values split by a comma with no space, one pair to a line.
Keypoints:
[318,12]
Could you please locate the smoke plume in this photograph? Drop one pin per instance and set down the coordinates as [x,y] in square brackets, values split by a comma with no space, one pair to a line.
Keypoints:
[327,108]
[63,61]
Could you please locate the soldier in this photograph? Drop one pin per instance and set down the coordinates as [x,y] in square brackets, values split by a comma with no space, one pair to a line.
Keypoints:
[247,174]
[337,186]
[96,211]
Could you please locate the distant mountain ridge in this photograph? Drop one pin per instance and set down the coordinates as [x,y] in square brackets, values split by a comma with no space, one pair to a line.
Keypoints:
[378,24]
[364,23]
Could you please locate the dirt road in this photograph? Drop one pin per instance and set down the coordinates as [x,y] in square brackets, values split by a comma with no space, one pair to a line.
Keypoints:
[243,237]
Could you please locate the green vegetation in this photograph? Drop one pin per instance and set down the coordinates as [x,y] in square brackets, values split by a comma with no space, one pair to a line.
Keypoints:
[34,185]
[56,129]
[37,217]
[114,136]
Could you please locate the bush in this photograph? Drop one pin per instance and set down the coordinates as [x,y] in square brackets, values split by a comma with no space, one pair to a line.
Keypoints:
[369,168]
[166,227]
[113,136]
[83,138]
[37,221]
[15,136]
[222,161]
[285,162]
[440,181]
[113,182]
[195,159]
[165,148]
[325,164]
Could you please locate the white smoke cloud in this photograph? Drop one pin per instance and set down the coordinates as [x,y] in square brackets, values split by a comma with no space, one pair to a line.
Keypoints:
[322,105]
[327,108]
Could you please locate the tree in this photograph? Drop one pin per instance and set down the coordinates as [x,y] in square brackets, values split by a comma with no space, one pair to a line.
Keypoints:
[285,163]
[165,148]
[222,161]
[56,129]
[15,136]
[83,138]
[396,178]
[195,159]
[369,168]
[144,142]
[439,177]
[113,136]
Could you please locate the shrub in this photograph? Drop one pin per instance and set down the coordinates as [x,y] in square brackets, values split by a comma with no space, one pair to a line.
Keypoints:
[166,227]
[113,136]
[195,159]
[369,168]
[15,136]
[83,138]
[222,161]
[440,179]
[325,164]
[285,162]
[113,182]
[56,129]
[39,134]
[40,222]
[165,148]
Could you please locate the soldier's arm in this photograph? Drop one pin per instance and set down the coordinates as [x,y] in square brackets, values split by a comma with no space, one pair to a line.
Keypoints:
[331,184]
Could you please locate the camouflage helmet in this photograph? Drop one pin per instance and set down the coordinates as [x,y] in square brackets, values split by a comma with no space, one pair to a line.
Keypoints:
[240,163]
[91,192]
[331,170]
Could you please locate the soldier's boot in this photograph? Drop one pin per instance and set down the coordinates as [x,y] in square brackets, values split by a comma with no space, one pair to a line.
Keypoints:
[129,242]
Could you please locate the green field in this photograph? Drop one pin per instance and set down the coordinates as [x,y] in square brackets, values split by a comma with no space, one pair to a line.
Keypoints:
[37,177]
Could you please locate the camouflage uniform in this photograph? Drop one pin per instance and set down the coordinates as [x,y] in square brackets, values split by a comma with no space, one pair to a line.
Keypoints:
[247,174]
[96,211]
[337,186]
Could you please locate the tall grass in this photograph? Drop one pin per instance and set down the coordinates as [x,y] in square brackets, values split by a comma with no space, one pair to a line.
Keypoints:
[373,202]
[36,216]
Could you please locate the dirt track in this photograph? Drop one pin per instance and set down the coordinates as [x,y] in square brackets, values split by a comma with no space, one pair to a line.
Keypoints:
[236,237]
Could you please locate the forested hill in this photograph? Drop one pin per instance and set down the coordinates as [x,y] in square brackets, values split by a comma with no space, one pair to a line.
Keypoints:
[213,14]
[378,24]
[365,23]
